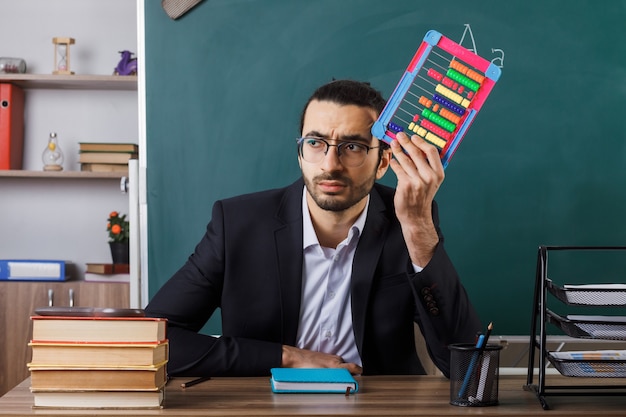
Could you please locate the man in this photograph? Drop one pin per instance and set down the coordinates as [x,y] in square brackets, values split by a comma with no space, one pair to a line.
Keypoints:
[330,271]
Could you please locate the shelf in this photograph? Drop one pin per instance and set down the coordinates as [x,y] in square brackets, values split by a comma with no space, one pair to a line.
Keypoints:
[72,82]
[60,174]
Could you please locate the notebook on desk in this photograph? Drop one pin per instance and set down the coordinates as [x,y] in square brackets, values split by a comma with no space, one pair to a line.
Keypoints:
[313,380]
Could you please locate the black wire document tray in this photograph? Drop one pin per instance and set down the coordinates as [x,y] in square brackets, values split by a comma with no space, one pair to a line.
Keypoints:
[591,364]
[590,327]
[594,363]
[590,294]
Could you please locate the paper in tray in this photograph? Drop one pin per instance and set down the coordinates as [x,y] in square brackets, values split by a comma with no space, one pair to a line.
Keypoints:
[594,364]
[601,326]
[591,294]
[590,327]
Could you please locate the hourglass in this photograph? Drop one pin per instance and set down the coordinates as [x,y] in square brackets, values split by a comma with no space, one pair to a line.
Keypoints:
[62,55]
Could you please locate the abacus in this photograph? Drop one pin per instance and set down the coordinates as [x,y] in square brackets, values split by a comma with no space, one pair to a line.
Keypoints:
[439,95]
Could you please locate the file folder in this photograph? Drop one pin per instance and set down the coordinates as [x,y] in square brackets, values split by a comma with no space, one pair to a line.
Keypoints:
[11,126]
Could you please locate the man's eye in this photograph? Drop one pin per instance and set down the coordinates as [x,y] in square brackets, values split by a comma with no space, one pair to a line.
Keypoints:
[313,143]
[354,147]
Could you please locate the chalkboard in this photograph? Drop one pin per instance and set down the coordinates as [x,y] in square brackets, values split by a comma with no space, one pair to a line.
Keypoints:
[544,162]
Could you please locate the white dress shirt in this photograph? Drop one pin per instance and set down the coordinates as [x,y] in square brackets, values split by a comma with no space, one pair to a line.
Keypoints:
[325,323]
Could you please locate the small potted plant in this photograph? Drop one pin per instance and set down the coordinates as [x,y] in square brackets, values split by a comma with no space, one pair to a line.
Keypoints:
[117,226]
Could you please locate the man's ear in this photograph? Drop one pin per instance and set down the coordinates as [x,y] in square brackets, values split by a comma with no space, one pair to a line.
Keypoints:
[383,165]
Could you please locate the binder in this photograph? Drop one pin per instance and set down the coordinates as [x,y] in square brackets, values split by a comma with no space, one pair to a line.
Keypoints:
[11,126]
[33,270]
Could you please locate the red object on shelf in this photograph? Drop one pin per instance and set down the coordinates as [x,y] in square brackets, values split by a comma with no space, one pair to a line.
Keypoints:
[11,126]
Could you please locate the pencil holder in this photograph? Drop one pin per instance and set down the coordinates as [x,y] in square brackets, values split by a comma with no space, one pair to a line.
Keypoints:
[474,375]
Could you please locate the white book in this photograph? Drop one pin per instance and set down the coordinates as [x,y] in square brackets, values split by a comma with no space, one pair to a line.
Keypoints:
[98,399]
[92,277]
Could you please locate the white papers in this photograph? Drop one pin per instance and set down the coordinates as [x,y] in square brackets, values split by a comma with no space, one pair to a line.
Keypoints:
[598,319]
[592,363]
[596,294]
[596,287]
[601,326]
[591,355]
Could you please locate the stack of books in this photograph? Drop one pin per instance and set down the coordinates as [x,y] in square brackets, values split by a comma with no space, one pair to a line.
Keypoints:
[104,272]
[106,157]
[98,362]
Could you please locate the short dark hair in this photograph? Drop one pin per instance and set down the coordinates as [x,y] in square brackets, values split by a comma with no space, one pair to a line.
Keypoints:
[347,92]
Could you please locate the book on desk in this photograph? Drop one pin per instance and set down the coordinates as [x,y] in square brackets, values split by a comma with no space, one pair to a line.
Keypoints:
[313,380]
[78,355]
[98,329]
[98,399]
[97,378]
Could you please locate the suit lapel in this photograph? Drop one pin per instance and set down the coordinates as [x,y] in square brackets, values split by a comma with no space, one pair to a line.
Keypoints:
[288,238]
[364,264]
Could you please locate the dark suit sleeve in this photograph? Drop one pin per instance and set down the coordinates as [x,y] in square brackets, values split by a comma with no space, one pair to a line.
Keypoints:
[188,299]
[444,312]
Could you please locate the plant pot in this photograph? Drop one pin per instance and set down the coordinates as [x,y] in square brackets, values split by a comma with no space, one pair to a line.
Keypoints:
[120,252]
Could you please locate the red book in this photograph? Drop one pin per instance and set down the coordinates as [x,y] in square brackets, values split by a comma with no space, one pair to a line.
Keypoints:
[11,126]
[108,268]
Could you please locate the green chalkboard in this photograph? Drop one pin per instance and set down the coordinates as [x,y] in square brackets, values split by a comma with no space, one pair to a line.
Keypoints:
[544,162]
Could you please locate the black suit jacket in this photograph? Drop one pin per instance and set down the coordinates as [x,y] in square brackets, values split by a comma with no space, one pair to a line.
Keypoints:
[249,264]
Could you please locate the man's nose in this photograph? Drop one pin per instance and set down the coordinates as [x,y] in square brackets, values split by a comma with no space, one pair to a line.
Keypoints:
[331,160]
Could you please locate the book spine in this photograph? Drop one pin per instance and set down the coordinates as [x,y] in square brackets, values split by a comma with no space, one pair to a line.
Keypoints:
[32,270]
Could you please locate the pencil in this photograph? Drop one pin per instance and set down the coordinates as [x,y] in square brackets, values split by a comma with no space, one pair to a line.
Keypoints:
[486,339]
[194,382]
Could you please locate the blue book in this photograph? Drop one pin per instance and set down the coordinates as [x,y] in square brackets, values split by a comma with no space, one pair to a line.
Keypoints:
[32,270]
[313,380]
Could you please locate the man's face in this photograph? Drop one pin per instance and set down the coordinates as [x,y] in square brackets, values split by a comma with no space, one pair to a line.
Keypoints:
[332,185]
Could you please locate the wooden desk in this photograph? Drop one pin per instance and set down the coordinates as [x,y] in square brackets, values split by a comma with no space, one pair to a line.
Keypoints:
[378,396]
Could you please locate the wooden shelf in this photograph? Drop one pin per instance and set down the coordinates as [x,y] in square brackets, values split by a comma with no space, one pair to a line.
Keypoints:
[72,82]
[60,174]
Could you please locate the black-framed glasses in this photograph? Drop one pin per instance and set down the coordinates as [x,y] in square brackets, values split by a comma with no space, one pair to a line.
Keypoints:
[351,154]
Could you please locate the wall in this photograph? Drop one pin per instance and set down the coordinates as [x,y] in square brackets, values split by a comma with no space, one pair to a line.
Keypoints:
[542,164]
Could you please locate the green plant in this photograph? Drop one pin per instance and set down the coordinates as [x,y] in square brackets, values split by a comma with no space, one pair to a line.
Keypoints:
[117,227]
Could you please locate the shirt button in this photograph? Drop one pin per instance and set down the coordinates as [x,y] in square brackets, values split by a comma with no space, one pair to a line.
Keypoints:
[331,295]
